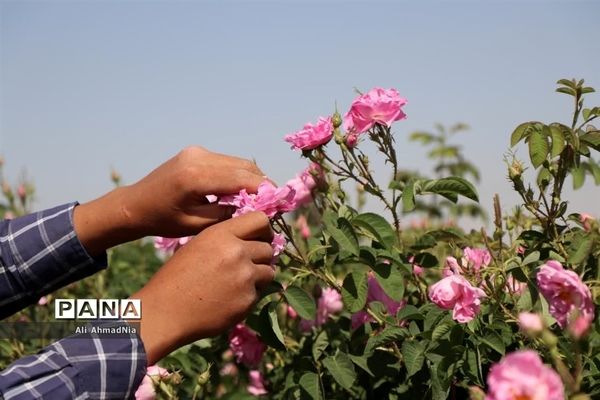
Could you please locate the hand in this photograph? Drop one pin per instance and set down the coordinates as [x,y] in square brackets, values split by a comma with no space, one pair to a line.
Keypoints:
[208,285]
[169,202]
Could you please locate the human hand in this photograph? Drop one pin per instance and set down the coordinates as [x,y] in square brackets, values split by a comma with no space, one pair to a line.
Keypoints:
[170,201]
[209,285]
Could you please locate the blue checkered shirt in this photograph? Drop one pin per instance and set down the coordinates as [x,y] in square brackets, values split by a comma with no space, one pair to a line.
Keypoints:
[40,253]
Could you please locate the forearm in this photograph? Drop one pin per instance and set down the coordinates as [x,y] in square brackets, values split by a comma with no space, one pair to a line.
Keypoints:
[108,221]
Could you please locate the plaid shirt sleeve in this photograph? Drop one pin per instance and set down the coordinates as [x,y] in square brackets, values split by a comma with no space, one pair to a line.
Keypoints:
[40,253]
[84,366]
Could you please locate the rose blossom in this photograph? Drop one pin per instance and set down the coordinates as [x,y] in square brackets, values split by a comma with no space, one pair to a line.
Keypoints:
[329,303]
[565,292]
[146,389]
[530,322]
[256,384]
[302,225]
[514,286]
[376,106]
[376,293]
[311,136]
[168,245]
[579,327]
[476,258]
[417,269]
[451,267]
[246,346]
[455,292]
[278,244]
[303,184]
[268,199]
[523,375]
[43,301]
[586,221]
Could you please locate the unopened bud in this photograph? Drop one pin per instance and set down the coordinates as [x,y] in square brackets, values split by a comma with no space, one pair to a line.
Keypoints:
[115,177]
[476,393]
[351,140]
[204,377]
[515,170]
[22,192]
[336,120]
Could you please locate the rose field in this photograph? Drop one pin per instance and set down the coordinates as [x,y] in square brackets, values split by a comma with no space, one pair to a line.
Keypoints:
[379,292]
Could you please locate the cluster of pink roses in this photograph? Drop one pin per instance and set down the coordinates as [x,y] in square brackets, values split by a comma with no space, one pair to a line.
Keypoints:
[454,291]
[377,106]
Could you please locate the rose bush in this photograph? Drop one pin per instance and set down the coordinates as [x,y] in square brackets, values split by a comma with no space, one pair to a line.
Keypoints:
[402,303]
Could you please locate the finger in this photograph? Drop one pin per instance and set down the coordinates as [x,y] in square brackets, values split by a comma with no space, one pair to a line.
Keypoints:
[204,215]
[239,163]
[264,275]
[260,252]
[251,226]
[223,181]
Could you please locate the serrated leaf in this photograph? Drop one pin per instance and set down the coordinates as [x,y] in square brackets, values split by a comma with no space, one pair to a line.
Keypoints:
[451,185]
[494,341]
[582,249]
[569,91]
[578,175]
[408,197]
[301,302]
[425,260]
[413,355]
[567,82]
[538,148]
[532,257]
[389,334]
[409,312]
[309,383]
[390,279]
[521,132]
[346,239]
[319,345]
[354,291]
[266,324]
[441,329]
[558,141]
[341,368]
[362,363]
[592,139]
[378,227]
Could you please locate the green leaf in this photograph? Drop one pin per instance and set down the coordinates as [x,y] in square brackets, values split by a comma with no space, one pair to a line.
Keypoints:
[266,324]
[441,329]
[568,83]
[319,345]
[423,137]
[425,260]
[309,383]
[354,291]
[532,257]
[341,368]
[568,91]
[378,227]
[558,140]
[408,197]
[520,133]
[346,239]
[582,250]
[538,148]
[578,175]
[302,302]
[413,355]
[389,334]
[390,279]
[594,170]
[409,312]
[494,341]
[592,139]
[362,363]
[451,185]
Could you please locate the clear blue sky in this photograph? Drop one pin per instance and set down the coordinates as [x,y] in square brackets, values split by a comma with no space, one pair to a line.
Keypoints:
[89,85]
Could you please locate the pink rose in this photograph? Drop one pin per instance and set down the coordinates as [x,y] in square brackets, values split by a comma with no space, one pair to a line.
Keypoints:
[311,136]
[293,314]
[352,139]
[530,322]
[523,375]
[268,199]
[168,245]
[329,303]
[146,390]
[586,221]
[376,293]
[451,267]
[256,384]
[302,225]
[476,258]
[514,286]
[565,292]
[246,346]
[303,184]
[43,301]
[379,106]
[278,244]
[456,293]
[580,326]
